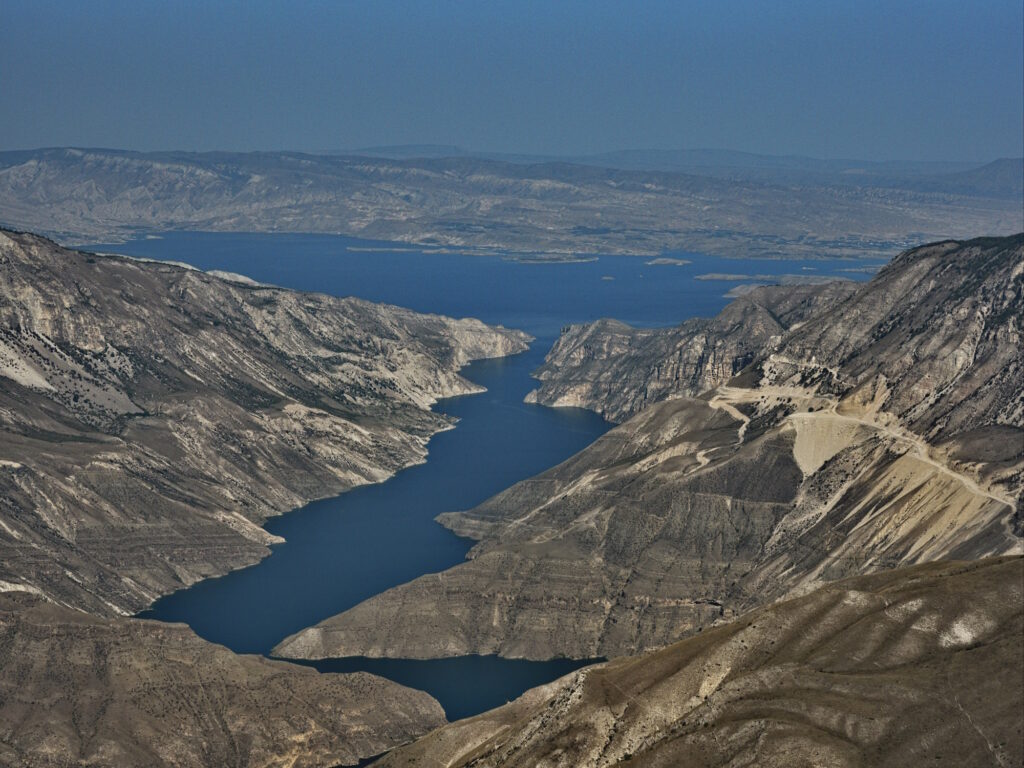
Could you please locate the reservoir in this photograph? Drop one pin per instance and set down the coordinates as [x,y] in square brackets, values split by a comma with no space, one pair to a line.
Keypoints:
[341,551]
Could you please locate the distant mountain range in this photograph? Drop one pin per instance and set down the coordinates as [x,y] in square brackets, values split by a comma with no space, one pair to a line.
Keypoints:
[1002,178]
[774,208]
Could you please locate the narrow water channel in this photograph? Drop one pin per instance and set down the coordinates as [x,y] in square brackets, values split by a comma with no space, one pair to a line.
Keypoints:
[343,550]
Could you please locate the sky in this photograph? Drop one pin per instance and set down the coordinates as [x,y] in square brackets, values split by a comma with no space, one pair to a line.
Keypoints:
[868,79]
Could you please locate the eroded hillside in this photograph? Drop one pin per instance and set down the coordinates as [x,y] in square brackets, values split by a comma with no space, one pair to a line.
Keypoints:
[152,416]
[916,666]
[77,689]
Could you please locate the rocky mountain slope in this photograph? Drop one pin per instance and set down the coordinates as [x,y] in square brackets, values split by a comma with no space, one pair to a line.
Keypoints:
[917,666]
[77,689]
[935,342]
[886,430]
[464,202]
[152,416]
[617,370]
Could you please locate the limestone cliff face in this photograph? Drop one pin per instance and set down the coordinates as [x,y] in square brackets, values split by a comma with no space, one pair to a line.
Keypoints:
[698,509]
[907,667]
[77,689]
[937,341]
[152,416]
[617,370]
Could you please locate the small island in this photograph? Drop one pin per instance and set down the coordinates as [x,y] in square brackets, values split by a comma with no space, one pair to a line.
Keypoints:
[667,261]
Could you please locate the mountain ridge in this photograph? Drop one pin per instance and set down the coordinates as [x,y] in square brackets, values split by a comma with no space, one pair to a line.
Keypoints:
[899,668]
[616,370]
[552,208]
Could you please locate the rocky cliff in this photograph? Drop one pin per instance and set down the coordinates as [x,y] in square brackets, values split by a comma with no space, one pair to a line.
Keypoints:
[918,666]
[152,416]
[935,341]
[84,195]
[77,689]
[824,459]
[617,370]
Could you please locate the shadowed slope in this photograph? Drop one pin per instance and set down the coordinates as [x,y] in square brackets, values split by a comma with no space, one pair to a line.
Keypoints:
[82,690]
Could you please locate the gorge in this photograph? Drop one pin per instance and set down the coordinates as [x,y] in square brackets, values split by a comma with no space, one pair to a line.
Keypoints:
[754,435]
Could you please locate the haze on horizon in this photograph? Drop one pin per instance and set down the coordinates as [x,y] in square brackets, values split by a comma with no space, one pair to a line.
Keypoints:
[877,80]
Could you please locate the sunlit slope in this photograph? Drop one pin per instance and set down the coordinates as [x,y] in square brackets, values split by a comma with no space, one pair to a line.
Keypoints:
[152,416]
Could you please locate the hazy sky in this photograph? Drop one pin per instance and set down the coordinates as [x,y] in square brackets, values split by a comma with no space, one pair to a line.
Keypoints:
[935,79]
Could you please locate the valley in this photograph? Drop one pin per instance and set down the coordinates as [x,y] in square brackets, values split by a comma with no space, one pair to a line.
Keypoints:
[153,418]
[823,458]
[182,410]
[512,385]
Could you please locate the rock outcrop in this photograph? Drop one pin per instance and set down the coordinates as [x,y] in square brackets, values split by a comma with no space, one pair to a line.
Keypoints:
[822,460]
[77,689]
[152,416]
[936,341]
[617,370]
[917,666]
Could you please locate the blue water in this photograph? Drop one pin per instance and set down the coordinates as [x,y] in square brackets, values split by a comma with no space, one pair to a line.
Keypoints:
[537,298]
[464,686]
[343,550]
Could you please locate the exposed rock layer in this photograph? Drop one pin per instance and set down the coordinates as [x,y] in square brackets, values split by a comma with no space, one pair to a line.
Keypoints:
[94,195]
[936,340]
[152,416]
[813,465]
[918,666]
[617,370]
[82,690]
